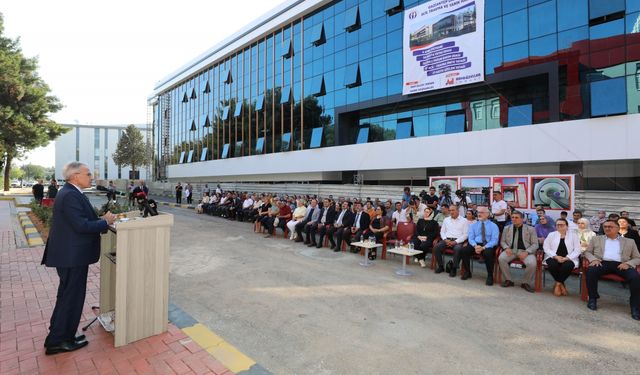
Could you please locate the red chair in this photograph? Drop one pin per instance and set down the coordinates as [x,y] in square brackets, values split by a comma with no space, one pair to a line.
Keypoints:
[47,202]
[403,233]
[538,274]
[584,293]
[576,271]
[496,266]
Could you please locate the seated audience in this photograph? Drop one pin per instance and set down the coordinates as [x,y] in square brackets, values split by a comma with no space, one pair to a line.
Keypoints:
[297,216]
[379,224]
[585,234]
[543,228]
[399,215]
[597,220]
[443,214]
[612,216]
[426,232]
[632,222]
[471,217]
[344,221]
[453,234]
[327,218]
[360,225]
[627,232]
[561,251]
[519,241]
[484,235]
[270,216]
[612,253]
[310,217]
[204,202]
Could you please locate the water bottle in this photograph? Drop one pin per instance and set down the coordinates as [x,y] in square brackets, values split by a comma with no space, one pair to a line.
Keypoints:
[396,245]
[401,243]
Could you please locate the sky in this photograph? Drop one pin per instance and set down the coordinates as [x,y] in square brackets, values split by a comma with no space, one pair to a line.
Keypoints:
[102,59]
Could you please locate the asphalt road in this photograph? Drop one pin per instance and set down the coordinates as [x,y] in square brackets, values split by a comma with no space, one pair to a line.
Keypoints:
[297,310]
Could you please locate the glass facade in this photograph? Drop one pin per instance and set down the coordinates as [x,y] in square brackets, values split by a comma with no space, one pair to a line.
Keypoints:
[334,77]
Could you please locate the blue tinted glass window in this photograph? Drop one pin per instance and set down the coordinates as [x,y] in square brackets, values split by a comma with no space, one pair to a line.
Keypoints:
[599,8]
[437,123]
[543,46]
[542,19]
[260,145]
[534,2]
[379,88]
[455,123]
[378,27]
[259,102]
[493,59]
[516,52]
[394,40]
[364,50]
[203,156]
[403,129]
[520,115]
[509,6]
[633,6]
[286,142]
[572,13]
[492,8]
[363,135]
[238,149]
[567,38]
[317,86]
[366,70]
[493,33]
[394,84]
[394,62]
[351,19]
[286,49]
[352,76]
[515,27]
[238,111]
[286,95]
[181,156]
[316,137]
[608,97]
[225,113]
[607,29]
[317,34]
[364,33]
[379,67]
[633,23]
[366,91]
[421,126]
[389,130]
[391,4]
[394,22]
[190,157]
[225,151]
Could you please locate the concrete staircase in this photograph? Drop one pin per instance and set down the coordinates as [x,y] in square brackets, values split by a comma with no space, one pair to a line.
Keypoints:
[611,201]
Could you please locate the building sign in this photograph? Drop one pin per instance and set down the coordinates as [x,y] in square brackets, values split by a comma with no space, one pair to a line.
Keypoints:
[443,45]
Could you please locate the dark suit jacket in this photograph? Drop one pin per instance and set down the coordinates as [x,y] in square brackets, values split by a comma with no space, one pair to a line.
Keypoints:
[347,219]
[74,237]
[365,220]
[331,216]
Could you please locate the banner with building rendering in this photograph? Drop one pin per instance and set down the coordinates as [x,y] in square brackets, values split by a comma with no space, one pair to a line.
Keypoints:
[443,45]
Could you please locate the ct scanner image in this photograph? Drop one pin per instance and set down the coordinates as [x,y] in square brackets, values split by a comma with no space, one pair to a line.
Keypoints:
[552,193]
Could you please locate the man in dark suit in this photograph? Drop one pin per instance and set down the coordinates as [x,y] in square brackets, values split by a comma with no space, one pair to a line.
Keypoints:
[361,221]
[38,191]
[73,244]
[344,220]
[327,218]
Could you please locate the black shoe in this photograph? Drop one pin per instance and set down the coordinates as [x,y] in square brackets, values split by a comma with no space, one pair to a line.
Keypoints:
[439,270]
[306,242]
[635,313]
[527,287]
[77,338]
[466,276]
[333,247]
[453,272]
[592,304]
[65,346]
[336,250]
[507,283]
[489,281]
[311,244]
[298,240]
[318,246]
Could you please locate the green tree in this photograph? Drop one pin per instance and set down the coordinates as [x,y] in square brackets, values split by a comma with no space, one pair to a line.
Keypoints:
[25,105]
[132,149]
[33,172]
[16,173]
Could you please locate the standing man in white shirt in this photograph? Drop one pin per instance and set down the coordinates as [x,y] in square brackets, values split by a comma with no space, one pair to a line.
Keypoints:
[454,232]
[499,210]
[399,215]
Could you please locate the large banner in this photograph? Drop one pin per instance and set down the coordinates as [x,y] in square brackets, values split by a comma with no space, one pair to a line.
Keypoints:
[443,45]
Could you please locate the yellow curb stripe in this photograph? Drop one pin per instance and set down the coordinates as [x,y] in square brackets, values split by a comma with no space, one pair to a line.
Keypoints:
[30,230]
[221,350]
[35,241]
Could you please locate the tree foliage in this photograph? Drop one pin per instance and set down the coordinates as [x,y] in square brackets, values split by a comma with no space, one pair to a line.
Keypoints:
[132,149]
[25,105]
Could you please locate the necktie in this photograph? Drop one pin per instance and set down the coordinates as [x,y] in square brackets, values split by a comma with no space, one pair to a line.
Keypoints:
[310,214]
[358,221]
[483,231]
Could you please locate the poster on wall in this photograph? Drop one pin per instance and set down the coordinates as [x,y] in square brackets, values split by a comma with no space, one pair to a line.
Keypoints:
[515,190]
[443,45]
[478,189]
[552,192]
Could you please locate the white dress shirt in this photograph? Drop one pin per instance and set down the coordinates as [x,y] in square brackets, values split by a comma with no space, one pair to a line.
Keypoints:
[455,228]
[399,217]
[498,206]
[612,250]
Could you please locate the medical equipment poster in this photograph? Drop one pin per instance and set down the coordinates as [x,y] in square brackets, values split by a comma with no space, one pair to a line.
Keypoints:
[443,45]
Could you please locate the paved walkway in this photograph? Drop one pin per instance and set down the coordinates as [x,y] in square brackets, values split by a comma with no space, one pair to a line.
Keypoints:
[27,296]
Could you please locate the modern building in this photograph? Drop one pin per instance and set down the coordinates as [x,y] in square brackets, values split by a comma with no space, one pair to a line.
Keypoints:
[95,145]
[313,91]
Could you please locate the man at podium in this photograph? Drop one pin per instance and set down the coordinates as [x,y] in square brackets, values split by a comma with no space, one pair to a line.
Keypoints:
[73,244]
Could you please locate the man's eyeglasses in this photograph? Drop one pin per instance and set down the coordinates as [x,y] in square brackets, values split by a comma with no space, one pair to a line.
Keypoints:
[608,226]
[88,174]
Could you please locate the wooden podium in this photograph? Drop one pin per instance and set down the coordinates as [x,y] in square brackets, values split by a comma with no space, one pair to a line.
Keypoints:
[134,284]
